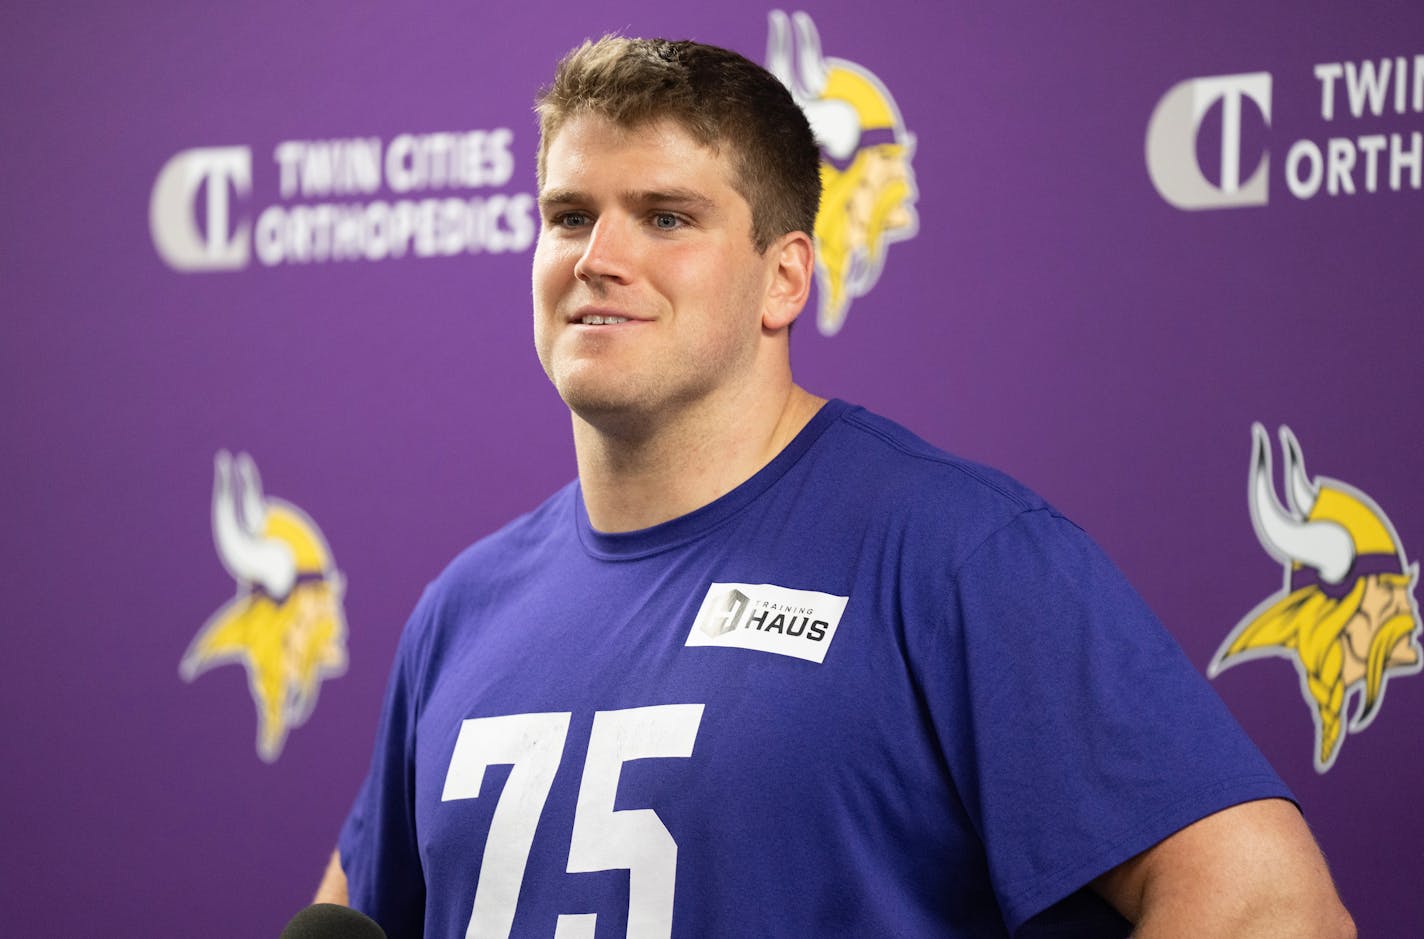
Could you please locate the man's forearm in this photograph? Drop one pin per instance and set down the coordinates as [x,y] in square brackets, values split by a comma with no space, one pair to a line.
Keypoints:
[1252,871]
[333,887]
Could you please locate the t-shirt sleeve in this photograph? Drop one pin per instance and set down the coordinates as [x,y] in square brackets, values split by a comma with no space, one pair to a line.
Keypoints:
[1091,737]
[379,850]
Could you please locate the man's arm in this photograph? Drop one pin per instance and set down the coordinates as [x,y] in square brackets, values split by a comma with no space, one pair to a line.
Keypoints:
[333,883]
[1252,870]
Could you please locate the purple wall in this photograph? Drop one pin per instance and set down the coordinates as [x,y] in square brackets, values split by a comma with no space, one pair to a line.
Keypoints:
[1054,315]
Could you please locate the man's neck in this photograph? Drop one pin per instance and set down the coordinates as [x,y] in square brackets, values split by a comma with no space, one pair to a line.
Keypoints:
[634,479]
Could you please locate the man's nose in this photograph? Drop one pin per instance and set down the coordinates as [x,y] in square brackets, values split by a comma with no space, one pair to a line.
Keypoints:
[608,253]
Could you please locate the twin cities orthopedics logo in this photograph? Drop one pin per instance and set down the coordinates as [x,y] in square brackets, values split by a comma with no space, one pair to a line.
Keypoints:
[286,625]
[1370,100]
[1345,615]
[352,199]
[868,186]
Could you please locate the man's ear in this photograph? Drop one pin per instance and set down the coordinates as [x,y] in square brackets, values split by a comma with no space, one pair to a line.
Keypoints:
[793,257]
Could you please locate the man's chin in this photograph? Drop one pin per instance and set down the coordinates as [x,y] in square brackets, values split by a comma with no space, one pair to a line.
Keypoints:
[598,403]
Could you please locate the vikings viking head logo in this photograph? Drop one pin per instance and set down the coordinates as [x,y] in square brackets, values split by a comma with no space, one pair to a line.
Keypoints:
[286,624]
[868,186]
[1346,614]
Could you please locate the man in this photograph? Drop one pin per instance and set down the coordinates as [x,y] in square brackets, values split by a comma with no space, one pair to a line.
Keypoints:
[772,666]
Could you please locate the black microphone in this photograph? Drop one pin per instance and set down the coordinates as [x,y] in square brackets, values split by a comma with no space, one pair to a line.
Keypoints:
[331,921]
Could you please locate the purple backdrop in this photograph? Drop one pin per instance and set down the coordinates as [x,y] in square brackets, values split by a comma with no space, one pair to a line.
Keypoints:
[1054,316]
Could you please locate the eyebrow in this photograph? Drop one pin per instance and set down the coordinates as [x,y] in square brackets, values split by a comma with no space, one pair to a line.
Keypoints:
[677,197]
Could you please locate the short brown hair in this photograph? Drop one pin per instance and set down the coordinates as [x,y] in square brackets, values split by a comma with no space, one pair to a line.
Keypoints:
[718,97]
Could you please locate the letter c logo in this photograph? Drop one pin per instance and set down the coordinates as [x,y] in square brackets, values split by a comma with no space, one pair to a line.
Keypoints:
[1172,142]
[172,219]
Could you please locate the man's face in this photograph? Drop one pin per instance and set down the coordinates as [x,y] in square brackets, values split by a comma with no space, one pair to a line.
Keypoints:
[648,291]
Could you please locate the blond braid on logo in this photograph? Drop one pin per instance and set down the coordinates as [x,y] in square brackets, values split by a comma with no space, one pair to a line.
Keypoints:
[1310,623]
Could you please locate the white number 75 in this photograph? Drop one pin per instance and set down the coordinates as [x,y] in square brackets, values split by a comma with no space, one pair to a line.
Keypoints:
[603,839]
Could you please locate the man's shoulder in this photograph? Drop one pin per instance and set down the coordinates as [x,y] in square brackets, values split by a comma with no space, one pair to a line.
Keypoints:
[480,574]
[517,543]
[869,480]
[897,468]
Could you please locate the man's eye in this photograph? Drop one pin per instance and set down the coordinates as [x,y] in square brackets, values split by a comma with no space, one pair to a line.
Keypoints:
[571,219]
[666,221]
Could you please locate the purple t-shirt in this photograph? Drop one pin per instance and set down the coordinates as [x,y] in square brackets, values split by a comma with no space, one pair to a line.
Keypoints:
[876,690]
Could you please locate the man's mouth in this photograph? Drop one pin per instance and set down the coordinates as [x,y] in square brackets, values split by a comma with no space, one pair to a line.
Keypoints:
[594,319]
